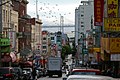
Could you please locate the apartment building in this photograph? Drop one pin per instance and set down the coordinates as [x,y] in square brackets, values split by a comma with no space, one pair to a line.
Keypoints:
[45,42]
[24,26]
[36,34]
[9,23]
[83,15]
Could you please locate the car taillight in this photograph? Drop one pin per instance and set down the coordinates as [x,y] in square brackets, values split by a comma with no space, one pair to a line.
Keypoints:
[8,75]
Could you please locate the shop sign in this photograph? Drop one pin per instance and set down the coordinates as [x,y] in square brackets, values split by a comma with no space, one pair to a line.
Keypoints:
[114,45]
[112,8]
[115,57]
[98,12]
[112,24]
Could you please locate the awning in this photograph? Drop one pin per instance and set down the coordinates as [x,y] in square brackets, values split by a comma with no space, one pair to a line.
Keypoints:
[6,58]
[13,56]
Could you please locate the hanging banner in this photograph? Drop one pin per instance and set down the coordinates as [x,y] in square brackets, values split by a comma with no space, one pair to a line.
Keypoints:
[98,12]
[118,8]
[112,8]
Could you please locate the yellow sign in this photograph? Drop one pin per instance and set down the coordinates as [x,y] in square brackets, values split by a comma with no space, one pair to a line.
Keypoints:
[112,24]
[96,49]
[112,8]
[115,45]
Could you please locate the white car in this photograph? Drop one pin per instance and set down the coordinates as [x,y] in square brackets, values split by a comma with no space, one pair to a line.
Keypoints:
[88,77]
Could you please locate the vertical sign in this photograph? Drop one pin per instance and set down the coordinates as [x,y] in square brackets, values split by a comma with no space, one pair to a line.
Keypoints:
[12,37]
[112,8]
[98,12]
[118,8]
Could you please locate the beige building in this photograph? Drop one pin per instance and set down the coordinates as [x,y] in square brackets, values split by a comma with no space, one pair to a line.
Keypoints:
[46,43]
[36,34]
[10,23]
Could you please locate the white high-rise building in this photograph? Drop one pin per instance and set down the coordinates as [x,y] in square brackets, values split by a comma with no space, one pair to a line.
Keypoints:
[83,16]
[83,24]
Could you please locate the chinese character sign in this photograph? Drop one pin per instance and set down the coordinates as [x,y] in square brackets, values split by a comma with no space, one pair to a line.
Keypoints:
[98,12]
[114,45]
[112,8]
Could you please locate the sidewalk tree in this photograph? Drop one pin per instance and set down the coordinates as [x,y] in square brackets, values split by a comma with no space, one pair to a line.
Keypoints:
[74,50]
[66,49]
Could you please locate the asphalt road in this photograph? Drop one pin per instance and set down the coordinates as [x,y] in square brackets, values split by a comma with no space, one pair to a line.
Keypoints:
[53,78]
[58,78]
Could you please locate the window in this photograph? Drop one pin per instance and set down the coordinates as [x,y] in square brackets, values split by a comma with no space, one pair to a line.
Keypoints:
[44,47]
[82,15]
[82,25]
[52,38]
[44,51]
[44,38]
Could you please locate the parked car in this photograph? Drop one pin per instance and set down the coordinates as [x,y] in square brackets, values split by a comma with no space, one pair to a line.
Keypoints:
[7,73]
[19,73]
[88,77]
[84,71]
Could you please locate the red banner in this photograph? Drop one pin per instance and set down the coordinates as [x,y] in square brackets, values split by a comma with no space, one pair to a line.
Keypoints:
[98,12]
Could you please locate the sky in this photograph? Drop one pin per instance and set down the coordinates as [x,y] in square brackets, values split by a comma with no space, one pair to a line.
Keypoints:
[49,11]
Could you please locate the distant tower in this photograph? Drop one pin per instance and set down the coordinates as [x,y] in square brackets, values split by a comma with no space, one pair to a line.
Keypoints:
[61,24]
[37,9]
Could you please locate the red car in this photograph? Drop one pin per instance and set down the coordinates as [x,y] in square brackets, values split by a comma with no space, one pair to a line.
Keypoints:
[7,73]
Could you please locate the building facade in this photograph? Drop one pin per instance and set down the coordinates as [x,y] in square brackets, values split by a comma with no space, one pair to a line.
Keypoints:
[83,16]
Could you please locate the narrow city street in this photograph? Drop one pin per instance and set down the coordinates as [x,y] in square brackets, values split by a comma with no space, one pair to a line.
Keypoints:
[52,78]
[58,78]
[42,38]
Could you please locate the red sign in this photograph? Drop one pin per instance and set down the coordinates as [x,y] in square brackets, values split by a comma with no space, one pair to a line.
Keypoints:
[98,12]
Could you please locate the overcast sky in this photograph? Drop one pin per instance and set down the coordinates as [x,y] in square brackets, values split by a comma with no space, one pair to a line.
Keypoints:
[49,11]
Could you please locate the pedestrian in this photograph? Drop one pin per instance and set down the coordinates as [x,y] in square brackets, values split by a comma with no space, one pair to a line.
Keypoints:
[109,73]
[34,74]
